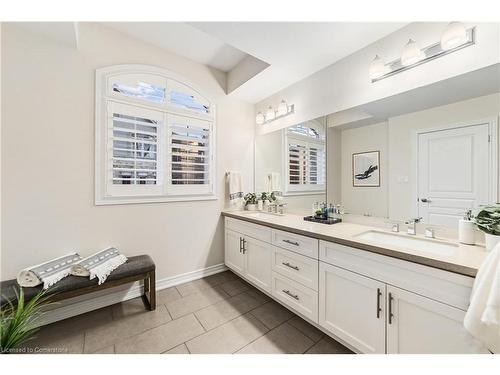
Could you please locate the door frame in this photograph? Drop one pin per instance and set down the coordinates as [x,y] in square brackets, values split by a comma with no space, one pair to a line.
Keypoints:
[492,122]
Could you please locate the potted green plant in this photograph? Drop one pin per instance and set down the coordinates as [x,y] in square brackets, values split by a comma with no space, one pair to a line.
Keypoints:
[17,323]
[250,201]
[488,221]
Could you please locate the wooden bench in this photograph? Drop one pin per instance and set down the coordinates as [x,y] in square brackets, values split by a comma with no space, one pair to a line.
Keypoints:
[137,268]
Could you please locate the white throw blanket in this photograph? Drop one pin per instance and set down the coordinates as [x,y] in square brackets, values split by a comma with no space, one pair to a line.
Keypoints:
[99,265]
[274,183]
[483,316]
[47,273]
[235,189]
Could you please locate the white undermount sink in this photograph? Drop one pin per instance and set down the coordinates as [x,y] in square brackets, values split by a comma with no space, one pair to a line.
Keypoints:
[409,242]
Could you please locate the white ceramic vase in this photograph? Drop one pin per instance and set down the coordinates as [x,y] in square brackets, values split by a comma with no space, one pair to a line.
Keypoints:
[251,207]
[491,241]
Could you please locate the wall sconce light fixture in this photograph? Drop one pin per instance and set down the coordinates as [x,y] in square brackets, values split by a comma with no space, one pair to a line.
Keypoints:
[273,114]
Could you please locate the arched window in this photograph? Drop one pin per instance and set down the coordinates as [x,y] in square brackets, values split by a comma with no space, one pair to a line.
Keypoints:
[305,157]
[154,137]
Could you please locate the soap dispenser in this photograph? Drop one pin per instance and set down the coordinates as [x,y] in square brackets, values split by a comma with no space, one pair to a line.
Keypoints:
[466,229]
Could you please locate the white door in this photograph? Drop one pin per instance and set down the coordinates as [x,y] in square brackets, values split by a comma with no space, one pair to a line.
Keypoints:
[233,255]
[453,173]
[258,262]
[419,325]
[351,307]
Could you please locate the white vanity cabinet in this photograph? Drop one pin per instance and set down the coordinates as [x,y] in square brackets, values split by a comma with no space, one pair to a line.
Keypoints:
[352,307]
[371,302]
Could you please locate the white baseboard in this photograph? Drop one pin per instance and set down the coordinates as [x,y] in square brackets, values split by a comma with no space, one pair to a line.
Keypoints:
[105,298]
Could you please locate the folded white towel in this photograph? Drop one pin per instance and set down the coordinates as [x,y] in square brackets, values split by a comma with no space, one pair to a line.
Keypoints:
[47,273]
[100,264]
[274,183]
[482,319]
[235,189]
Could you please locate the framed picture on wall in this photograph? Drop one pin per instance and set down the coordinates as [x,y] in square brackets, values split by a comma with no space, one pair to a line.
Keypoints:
[366,169]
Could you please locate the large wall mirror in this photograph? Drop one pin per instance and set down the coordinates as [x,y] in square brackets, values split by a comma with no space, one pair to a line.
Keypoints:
[419,154]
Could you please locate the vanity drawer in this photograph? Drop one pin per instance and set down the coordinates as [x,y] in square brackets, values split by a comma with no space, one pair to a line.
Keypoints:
[299,244]
[296,296]
[256,231]
[297,267]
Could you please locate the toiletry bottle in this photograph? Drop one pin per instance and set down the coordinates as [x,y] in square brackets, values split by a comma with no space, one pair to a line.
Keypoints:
[466,229]
[331,211]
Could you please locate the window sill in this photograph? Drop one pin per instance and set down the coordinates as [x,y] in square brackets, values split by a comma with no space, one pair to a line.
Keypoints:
[308,192]
[140,200]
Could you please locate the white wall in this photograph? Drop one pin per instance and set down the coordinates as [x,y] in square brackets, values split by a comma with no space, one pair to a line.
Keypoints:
[48,157]
[346,84]
[365,200]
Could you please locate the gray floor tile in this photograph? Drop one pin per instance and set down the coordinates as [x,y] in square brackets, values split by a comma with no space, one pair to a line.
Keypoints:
[258,295]
[51,341]
[327,345]
[124,327]
[196,301]
[128,308]
[272,314]
[107,350]
[229,337]
[307,329]
[207,282]
[226,310]
[181,349]
[284,339]
[167,295]
[235,287]
[162,338]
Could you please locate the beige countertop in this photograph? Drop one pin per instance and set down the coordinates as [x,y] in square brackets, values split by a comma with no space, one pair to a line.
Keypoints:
[465,260]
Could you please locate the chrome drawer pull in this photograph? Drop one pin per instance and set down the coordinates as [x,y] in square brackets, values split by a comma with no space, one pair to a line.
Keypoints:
[292,242]
[289,265]
[294,296]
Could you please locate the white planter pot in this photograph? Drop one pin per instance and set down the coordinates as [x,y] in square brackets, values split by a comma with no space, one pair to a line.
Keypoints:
[251,207]
[491,241]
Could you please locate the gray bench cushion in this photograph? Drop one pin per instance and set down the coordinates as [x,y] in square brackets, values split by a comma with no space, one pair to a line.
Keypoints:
[135,265]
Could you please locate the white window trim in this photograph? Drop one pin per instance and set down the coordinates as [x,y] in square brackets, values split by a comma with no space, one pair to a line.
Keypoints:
[310,189]
[102,98]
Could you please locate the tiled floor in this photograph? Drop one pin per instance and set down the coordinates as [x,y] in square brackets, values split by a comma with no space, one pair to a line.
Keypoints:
[216,314]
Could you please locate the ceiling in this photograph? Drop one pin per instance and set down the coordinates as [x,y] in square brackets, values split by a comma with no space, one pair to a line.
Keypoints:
[291,51]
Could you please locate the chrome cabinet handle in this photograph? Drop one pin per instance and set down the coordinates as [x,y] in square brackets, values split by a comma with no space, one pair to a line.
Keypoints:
[243,248]
[294,296]
[241,239]
[391,315]
[290,266]
[291,242]
[379,309]
[425,200]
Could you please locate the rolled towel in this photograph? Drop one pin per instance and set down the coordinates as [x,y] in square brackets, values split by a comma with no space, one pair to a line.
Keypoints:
[100,264]
[47,273]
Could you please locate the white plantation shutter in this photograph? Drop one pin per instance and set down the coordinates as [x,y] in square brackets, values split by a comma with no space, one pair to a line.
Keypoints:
[155,137]
[306,162]
[134,144]
[190,155]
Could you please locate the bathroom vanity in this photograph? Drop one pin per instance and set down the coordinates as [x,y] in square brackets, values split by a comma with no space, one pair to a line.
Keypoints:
[373,290]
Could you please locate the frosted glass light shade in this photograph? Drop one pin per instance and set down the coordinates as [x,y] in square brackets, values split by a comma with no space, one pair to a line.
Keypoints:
[377,68]
[270,115]
[411,53]
[259,119]
[453,36]
[282,108]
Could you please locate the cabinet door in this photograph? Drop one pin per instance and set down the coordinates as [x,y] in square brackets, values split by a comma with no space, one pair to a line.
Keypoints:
[420,325]
[351,307]
[233,256]
[258,262]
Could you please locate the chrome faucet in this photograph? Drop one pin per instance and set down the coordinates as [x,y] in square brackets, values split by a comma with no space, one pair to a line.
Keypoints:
[412,225]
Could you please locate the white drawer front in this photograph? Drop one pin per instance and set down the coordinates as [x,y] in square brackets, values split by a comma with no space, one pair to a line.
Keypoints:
[296,267]
[256,231]
[443,286]
[296,243]
[296,296]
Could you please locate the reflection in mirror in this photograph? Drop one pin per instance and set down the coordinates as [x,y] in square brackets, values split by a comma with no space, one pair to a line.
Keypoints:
[291,163]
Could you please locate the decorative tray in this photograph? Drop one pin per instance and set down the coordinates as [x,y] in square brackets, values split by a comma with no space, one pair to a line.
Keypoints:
[321,220]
